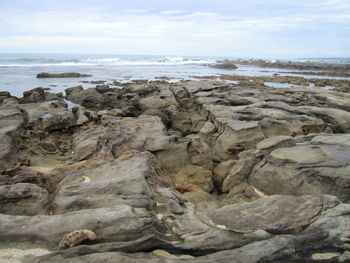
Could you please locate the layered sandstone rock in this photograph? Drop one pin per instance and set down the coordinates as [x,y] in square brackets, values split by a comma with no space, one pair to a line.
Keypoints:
[196,171]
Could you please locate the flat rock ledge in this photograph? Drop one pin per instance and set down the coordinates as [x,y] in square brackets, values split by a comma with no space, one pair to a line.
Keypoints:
[194,171]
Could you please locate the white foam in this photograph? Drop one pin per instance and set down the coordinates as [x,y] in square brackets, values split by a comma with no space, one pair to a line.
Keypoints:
[114,61]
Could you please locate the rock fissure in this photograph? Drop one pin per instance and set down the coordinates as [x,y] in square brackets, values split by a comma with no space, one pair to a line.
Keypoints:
[196,169]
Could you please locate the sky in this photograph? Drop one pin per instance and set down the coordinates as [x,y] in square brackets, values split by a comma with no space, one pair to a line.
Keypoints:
[235,28]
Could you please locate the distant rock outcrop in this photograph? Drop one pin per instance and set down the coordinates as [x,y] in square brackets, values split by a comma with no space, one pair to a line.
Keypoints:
[225,64]
[46,75]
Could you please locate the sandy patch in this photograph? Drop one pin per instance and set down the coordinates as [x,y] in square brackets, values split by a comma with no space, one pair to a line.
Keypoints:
[12,253]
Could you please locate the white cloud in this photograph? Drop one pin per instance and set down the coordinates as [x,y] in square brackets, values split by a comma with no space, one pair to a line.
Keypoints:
[336,3]
[166,32]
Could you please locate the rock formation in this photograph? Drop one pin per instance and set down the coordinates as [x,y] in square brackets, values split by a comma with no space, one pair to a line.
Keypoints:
[194,171]
[46,75]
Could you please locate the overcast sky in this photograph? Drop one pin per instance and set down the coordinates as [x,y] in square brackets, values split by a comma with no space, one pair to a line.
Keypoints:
[249,28]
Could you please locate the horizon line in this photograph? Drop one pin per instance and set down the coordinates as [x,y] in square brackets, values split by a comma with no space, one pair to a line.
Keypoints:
[175,55]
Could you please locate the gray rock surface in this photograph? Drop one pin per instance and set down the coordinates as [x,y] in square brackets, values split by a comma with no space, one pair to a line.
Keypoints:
[321,165]
[194,171]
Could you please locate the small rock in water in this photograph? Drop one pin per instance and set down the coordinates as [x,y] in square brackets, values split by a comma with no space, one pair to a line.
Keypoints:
[45,75]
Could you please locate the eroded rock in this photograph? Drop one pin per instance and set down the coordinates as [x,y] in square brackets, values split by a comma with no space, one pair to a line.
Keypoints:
[194,171]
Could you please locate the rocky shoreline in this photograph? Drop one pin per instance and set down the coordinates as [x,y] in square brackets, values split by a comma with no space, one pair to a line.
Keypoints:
[226,170]
[339,69]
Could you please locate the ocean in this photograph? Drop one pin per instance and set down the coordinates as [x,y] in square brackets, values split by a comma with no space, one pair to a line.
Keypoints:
[18,70]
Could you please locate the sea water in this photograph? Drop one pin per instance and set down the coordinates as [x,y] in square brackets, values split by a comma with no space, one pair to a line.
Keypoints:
[18,71]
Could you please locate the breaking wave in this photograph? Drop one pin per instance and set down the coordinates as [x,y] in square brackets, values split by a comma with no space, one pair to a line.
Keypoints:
[106,61]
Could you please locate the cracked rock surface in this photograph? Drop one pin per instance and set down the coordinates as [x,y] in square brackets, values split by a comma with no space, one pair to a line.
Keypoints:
[193,171]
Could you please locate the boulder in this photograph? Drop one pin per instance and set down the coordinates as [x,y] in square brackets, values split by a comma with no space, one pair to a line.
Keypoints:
[241,170]
[72,90]
[88,98]
[48,116]
[85,144]
[34,95]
